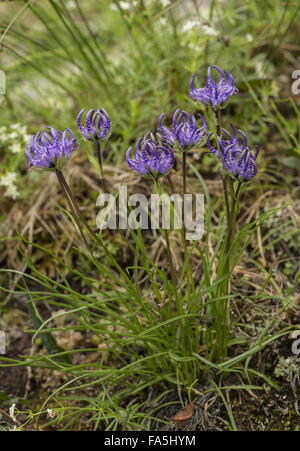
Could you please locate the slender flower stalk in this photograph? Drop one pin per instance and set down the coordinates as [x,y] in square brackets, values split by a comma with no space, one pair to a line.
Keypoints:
[219,310]
[215,94]
[71,202]
[217,115]
[171,183]
[80,221]
[170,258]
[99,158]
[154,158]
[238,165]
[184,134]
[167,240]
[189,273]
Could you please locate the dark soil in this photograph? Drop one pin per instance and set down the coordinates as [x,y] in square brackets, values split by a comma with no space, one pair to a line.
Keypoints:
[13,380]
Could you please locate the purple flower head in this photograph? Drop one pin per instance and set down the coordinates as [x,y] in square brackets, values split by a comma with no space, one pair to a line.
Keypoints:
[184,130]
[50,149]
[214,92]
[97,124]
[235,154]
[151,157]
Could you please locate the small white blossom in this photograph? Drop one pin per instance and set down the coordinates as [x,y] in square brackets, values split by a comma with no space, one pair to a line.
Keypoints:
[195,47]
[23,130]
[13,135]
[125,5]
[15,126]
[8,181]
[71,4]
[209,31]
[15,132]
[10,177]
[27,138]
[189,25]
[16,148]
[51,414]
[163,21]
[3,133]
[205,29]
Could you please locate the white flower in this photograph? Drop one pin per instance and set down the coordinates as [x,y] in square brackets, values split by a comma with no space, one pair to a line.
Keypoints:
[51,414]
[189,25]
[12,412]
[12,191]
[209,31]
[9,178]
[23,130]
[8,181]
[16,148]
[27,137]
[71,4]
[165,3]
[124,5]
[13,135]
[259,68]
[194,47]
[15,126]
[3,133]
[163,21]
[205,29]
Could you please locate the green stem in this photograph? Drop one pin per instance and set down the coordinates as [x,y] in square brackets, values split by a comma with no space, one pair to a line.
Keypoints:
[220,310]
[234,210]
[226,197]
[189,274]
[80,220]
[218,120]
[75,206]
[183,174]
[171,183]
[172,270]
[99,158]
[166,234]
[71,202]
